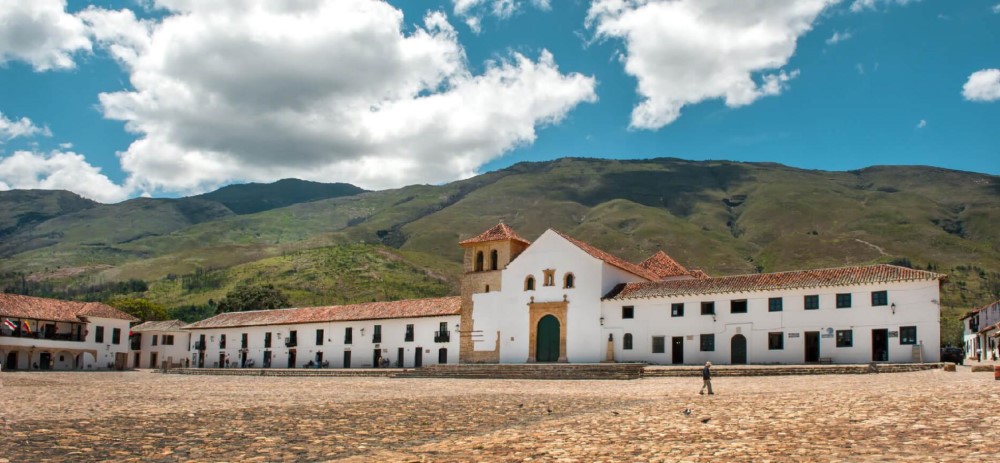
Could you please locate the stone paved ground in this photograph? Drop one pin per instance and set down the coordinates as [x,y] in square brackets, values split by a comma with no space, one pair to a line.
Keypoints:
[143,416]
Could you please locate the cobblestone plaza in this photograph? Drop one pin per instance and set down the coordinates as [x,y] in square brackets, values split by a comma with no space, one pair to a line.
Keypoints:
[143,416]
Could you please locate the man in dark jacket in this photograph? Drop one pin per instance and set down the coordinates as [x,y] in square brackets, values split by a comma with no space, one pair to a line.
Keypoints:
[707,376]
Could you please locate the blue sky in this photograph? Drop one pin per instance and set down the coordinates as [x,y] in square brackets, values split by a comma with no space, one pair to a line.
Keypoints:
[115,99]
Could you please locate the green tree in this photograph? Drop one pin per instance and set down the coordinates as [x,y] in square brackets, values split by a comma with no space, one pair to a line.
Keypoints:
[139,308]
[258,297]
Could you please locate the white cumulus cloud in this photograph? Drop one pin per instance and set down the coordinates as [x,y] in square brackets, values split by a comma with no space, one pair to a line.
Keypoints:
[473,11]
[862,5]
[996,8]
[326,90]
[684,52]
[983,85]
[41,33]
[922,123]
[23,127]
[838,37]
[58,170]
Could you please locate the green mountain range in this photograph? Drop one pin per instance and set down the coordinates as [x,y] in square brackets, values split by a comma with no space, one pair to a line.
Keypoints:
[336,243]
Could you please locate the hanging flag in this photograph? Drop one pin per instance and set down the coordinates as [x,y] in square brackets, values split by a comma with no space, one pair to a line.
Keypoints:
[25,326]
[10,324]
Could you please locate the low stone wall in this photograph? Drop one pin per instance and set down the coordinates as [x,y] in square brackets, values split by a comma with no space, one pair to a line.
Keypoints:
[781,370]
[284,372]
[614,371]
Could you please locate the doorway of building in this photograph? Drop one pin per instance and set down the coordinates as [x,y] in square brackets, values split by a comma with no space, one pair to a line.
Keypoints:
[347,359]
[243,359]
[152,360]
[44,361]
[678,350]
[267,359]
[400,353]
[201,360]
[291,358]
[222,360]
[443,355]
[547,339]
[11,363]
[738,350]
[880,345]
[136,359]
[418,357]
[812,346]
[377,358]
[319,360]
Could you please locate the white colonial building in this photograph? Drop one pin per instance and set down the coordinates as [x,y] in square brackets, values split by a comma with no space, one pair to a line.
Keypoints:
[561,300]
[982,332]
[409,333]
[49,334]
[158,343]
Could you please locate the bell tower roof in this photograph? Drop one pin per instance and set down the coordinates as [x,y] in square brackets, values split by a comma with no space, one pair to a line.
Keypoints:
[500,232]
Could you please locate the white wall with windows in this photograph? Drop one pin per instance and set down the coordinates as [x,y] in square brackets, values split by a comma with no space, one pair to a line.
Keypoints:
[507,311]
[105,337]
[845,324]
[156,347]
[405,342]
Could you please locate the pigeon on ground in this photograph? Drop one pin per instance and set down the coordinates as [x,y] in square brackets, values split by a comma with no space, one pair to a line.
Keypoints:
[520,405]
[687,411]
[705,420]
[550,411]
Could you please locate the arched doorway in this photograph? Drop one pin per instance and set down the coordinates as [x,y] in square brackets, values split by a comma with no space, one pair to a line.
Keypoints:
[547,342]
[738,349]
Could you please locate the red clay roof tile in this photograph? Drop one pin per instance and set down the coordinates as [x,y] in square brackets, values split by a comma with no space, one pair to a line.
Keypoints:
[771,281]
[40,308]
[664,266]
[167,325]
[610,259]
[499,232]
[413,308]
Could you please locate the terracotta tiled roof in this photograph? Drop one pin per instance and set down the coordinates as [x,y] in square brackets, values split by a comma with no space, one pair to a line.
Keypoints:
[39,308]
[977,310]
[168,325]
[698,273]
[500,232]
[664,266]
[610,259]
[770,281]
[368,311]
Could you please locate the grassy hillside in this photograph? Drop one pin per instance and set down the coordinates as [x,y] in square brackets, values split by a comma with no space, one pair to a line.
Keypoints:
[723,217]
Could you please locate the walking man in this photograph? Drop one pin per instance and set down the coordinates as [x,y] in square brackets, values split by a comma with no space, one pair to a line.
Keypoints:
[707,376]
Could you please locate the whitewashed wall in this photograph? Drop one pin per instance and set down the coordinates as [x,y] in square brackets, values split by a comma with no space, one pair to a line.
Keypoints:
[30,349]
[916,305]
[174,354]
[333,347]
[506,311]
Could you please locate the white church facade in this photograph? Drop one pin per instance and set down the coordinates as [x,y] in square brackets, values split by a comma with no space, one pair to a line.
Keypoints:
[561,300]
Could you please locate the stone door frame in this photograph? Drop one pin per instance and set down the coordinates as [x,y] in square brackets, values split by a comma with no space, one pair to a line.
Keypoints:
[538,310]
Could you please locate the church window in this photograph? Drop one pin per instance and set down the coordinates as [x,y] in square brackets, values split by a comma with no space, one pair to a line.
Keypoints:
[550,277]
[708,343]
[708,308]
[908,335]
[569,281]
[659,344]
[494,259]
[479,261]
[627,341]
[845,338]
[776,341]
[529,283]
